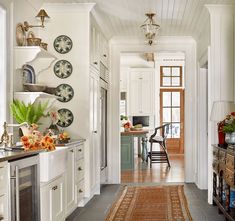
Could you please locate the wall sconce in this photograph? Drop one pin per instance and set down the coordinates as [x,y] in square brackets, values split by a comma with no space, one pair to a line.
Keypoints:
[42,15]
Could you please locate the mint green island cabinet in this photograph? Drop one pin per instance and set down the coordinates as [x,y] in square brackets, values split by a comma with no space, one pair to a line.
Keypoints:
[127,148]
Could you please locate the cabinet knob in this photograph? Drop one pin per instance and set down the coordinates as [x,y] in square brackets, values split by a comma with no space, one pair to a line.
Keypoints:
[95,131]
[54,187]
[105,55]
[80,191]
[80,150]
[95,62]
[79,168]
[71,151]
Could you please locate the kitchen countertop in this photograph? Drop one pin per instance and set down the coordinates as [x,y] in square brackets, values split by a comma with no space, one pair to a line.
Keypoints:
[17,154]
[134,132]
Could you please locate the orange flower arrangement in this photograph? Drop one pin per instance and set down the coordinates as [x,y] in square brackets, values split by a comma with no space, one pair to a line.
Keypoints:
[36,142]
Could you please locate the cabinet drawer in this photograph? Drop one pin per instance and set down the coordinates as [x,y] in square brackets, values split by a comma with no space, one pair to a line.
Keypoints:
[80,190]
[80,170]
[3,178]
[230,161]
[215,166]
[80,152]
[222,156]
[229,177]
[3,207]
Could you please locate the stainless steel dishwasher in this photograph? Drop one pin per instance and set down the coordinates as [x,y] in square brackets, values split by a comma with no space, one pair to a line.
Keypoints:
[25,195]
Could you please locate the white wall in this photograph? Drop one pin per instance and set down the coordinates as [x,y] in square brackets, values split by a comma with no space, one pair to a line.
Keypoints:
[172,44]
[220,69]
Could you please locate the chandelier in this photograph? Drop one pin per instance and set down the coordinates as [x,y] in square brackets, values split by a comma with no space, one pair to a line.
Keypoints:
[150,28]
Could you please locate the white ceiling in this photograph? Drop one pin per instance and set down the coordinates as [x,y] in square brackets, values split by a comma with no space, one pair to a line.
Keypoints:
[176,17]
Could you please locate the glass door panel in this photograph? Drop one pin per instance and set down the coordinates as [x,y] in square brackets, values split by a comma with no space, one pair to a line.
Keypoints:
[172,111]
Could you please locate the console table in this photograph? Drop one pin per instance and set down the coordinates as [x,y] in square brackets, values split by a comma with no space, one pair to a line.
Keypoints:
[127,147]
[223,180]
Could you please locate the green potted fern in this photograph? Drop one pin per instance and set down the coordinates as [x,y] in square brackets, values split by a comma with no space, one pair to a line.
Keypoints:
[30,113]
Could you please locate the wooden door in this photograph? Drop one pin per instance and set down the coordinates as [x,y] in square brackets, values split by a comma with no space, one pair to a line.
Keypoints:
[172,111]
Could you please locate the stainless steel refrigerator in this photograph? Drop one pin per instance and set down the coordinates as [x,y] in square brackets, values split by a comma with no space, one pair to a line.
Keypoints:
[103,131]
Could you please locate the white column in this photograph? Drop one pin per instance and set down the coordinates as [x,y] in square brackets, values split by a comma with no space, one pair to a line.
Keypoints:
[220,69]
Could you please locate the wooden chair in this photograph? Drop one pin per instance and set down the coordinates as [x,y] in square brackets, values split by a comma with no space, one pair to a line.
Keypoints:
[162,155]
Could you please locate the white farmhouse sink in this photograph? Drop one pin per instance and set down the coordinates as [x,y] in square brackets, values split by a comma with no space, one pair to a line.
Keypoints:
[52,163]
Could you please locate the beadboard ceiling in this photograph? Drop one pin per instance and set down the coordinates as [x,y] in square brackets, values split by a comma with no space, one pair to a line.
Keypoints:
[176,17]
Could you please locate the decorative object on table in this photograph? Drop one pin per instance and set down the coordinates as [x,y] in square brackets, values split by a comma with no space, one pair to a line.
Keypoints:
[63,44]
[30,113]
[34,87]
[42,15]
[137,127]
[36,141]
[63,69]
[54,117]
[64,92]
[127,126]
[63,137]
[31,34]
[66,117]
[150,28]
[34,41]
[20,35]
[219,110]
[28,74]
[229,128]
[168,202]
[43,45]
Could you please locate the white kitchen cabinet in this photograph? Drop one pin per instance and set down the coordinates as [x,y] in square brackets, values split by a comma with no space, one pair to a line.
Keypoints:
[4,185]
[70,181]
[95,47]
[124,73]
[141,94]
[94,144]
[53,200]
[104,50]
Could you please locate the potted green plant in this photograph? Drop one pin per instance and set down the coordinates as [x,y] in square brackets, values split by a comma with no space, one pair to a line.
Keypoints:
[30,113]
[229,128]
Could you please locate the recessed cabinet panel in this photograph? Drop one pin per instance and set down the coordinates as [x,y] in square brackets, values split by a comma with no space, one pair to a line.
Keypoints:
[141,95]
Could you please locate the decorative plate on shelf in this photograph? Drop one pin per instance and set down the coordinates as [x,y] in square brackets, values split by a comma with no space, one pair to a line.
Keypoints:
[64,92]
[66,117]
[20,35]
[63,69]
[63,44]
[28,74]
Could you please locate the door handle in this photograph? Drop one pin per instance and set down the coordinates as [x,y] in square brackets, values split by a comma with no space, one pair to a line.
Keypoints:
[17,200]
[95,131]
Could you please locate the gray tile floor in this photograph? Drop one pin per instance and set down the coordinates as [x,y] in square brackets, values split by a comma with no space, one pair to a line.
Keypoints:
[98,207]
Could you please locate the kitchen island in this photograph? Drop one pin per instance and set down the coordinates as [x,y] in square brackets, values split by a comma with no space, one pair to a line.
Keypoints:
[127,147]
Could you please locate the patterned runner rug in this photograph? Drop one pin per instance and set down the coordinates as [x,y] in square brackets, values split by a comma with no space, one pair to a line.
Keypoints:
[155,203]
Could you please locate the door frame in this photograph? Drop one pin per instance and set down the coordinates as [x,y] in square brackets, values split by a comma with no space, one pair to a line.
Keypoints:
[187,45]
[182,114]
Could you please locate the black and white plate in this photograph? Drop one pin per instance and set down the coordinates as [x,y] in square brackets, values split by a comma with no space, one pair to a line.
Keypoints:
[63,44]
[28,74]
[64,92]
[63,69]
[66,117]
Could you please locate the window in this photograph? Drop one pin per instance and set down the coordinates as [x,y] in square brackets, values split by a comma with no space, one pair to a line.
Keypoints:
[2,67]
[171,76]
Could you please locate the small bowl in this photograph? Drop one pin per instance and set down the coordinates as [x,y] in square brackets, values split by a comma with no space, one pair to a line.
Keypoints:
[34,41]
[43,45]
[34,87]
[50,90]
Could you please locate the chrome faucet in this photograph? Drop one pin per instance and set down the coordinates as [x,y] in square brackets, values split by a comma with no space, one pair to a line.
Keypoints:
[6,138]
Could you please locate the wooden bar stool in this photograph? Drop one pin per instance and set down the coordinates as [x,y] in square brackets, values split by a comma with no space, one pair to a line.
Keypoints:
[160,156]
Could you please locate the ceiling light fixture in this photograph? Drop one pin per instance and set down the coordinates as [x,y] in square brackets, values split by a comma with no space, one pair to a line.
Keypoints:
[42,15]
[150,28]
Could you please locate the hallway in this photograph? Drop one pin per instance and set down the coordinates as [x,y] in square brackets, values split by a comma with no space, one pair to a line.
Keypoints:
[99,206]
